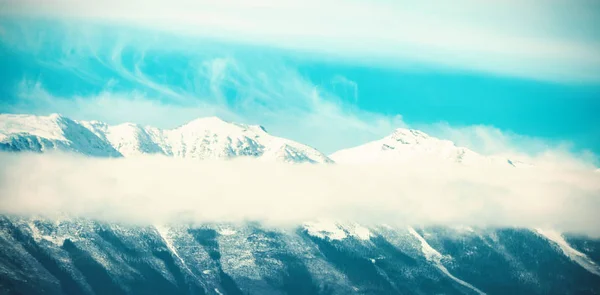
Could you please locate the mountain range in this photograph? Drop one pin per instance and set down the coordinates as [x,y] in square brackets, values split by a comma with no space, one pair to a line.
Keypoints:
[203,138]
[213,138]
[39,255]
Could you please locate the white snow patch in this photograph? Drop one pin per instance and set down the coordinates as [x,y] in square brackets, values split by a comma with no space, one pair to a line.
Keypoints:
[38,236]
[573,254]
[405,145]
[430,253]
[360,232]
[434,256]
[325,229]
[227,232]
[237,258]
[163,233]
[386,226]
[47,127]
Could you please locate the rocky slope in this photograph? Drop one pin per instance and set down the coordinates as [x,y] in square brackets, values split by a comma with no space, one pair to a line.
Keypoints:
[39,256]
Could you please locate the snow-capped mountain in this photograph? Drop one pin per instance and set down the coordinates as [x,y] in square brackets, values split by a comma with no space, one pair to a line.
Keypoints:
[405,145]
[213,138]
[82,256]
[46,133]
[204,138]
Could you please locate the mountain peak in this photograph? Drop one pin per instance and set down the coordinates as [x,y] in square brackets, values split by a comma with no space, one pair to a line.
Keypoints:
[409,136]
[410,145]
[214,124]
[212,120]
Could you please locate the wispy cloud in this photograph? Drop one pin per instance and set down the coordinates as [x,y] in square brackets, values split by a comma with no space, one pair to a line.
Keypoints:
[112,107]
[133,84]
[156,189]
[165,82]
[555,40]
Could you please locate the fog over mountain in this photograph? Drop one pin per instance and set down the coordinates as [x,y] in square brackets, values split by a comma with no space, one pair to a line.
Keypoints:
[299,147]
[87,189]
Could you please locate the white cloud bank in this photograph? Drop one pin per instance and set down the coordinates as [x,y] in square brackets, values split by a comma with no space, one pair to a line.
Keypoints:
[555,40]
[157,189]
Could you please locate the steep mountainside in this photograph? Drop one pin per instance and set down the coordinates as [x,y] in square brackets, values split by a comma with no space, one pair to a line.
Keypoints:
[39,256]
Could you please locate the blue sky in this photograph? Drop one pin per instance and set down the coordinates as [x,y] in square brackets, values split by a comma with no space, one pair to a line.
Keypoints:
[516,76]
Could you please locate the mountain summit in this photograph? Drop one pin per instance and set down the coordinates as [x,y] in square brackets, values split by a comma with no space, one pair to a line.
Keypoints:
[405,145]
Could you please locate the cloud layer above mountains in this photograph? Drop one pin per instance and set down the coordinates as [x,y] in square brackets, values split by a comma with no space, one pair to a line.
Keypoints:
[152,189]
[554,40]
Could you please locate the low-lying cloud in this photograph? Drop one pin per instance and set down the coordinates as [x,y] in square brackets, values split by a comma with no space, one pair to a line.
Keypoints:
[152,189]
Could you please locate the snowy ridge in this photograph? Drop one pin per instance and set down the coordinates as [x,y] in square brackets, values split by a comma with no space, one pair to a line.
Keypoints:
[405,145]
[325,229]
[336,231]
[213,138]
[573,254]
[204,138]
[163,233]
[436,258]
[54,132]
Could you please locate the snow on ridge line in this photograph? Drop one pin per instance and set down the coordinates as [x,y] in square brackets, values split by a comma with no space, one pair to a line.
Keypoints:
[47,133]
[429,252]
[336,231]
[435,257]
[325,229]
[203,138]
[406,145]
[163,233]
[572,253]
[214,138]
